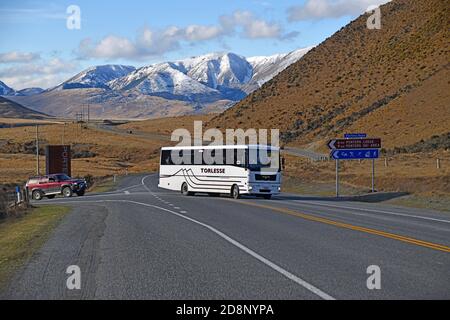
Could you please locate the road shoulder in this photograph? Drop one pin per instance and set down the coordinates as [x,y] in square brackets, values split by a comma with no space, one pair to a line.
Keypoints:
[22,237]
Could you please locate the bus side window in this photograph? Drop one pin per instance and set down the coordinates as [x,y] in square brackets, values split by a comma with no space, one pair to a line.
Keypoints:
[187,157]
[239,158]
[219,156]
[198,157]
[166,159]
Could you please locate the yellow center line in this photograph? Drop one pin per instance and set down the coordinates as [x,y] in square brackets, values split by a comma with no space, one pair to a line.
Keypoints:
[417,242]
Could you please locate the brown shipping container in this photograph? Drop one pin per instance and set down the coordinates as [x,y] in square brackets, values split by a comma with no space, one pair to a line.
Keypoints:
[58,160]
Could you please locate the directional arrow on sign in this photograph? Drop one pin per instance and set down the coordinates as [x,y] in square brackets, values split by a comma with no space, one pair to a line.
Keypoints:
[331,144]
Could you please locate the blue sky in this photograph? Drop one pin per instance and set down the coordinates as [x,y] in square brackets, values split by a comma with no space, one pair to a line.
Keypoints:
[37,48]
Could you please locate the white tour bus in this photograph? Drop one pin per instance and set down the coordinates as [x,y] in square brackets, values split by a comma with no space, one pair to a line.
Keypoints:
[228,169]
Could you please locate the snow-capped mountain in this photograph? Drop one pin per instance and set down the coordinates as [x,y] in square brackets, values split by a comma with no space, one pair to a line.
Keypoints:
[165,80]
[208,83]
[215,74]
[5,90]
[215,69]
[8,91]
[227,74]
[96,77]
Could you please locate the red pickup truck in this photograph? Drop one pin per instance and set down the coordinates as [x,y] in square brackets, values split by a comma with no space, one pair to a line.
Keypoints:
[55,184]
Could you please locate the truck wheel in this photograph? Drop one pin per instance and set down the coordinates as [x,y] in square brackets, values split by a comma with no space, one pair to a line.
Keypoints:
[37,195]
[185,190]
[235,192]
[67,192]
[81,193]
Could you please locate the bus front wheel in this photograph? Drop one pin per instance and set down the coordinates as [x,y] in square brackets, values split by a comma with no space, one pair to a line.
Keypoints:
[235,192]
[185,190]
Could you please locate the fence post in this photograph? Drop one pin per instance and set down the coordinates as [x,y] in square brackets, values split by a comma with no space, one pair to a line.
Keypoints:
[386,164]
[26,198]
[18,195]
[438,163]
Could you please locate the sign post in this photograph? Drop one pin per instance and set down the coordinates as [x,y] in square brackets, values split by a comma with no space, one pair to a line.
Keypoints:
[355,147]
[373,175]
[337,178]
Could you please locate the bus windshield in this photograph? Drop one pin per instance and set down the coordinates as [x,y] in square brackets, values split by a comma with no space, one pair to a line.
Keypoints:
[263,159]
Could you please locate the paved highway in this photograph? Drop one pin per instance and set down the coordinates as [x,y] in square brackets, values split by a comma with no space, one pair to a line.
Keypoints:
[140,242]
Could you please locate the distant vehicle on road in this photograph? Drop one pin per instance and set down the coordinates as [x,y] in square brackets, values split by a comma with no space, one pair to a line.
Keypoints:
[55,184]
[232,169]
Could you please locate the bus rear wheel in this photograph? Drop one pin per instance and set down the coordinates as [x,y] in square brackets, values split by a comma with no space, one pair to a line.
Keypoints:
[185,190]
[235,192]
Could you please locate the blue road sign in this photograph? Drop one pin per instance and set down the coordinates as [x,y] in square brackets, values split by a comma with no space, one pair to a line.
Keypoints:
[355,154]
[355,135]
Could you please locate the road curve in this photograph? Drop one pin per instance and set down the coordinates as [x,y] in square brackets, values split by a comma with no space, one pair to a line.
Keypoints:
[140,242]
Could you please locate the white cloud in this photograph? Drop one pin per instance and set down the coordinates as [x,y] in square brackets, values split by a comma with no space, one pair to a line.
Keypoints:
[43,73]
[151,43]
[201,33]
[16,56]
[322,9]
[253,28]
[147,44]
[109,47]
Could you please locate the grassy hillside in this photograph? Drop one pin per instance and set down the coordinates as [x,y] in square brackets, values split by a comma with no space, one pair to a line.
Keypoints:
[95,152]
[392,83]
[11,109]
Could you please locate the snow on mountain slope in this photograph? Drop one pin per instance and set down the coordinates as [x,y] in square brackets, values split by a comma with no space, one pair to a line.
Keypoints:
[217,69]
[164,79]
[210,74]
[265,68]
[226,74]
[5,90]
[96,77]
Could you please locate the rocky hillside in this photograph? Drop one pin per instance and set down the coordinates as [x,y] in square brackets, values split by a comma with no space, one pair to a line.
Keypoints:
[392,83]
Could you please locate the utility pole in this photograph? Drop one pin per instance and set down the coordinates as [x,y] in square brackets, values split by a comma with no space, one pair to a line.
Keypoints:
[37,150]
[64,134]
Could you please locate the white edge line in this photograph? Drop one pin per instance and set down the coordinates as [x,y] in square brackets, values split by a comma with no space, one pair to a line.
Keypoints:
[237,244]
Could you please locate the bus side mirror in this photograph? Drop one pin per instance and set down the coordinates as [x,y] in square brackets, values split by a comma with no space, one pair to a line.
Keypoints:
[283,163]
